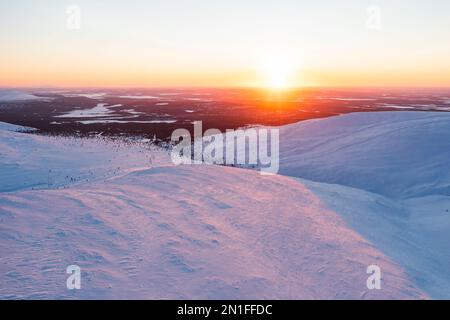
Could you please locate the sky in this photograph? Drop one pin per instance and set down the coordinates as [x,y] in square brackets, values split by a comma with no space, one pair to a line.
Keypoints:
[138,43]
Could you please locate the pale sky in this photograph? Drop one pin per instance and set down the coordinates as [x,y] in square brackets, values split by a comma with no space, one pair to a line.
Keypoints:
[225,43]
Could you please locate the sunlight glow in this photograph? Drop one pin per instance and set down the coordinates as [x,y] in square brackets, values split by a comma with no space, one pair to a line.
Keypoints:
[278,72]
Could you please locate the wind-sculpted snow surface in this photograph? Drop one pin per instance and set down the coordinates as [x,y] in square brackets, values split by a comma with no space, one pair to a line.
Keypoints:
[187,232]
[161,231]
[414,232]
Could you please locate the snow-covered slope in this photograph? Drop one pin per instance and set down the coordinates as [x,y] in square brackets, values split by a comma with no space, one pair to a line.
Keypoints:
[414,232]
[7,95]
[396,154]
[162,231]
[153,230]
[187,232]
[32,161]
[387,174]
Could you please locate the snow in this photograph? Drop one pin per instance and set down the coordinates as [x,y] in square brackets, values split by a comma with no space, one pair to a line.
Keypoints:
[415,232]
[140,227]
[125,121]
[7,95]
[92,95]
[347,99]
[388,175]
[33,162]
[396,154]
[12,127]
[200,99]
[138,97]
[187,232]
[133,112]
[100,110]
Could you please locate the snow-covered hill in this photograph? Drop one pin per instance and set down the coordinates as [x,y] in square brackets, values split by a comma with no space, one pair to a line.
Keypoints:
[388,175]
[154,230]
[396,154]
[36,162]
[414,232]
[7,95]
[187,232]
[174,232]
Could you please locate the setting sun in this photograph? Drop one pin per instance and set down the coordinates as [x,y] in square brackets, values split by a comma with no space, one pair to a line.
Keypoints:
[278,72]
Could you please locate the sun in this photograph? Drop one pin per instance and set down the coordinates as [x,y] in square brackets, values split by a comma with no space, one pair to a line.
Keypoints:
[277,73]
[277,80]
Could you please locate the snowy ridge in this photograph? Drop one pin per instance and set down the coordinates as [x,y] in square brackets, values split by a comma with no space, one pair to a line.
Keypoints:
[396,154]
